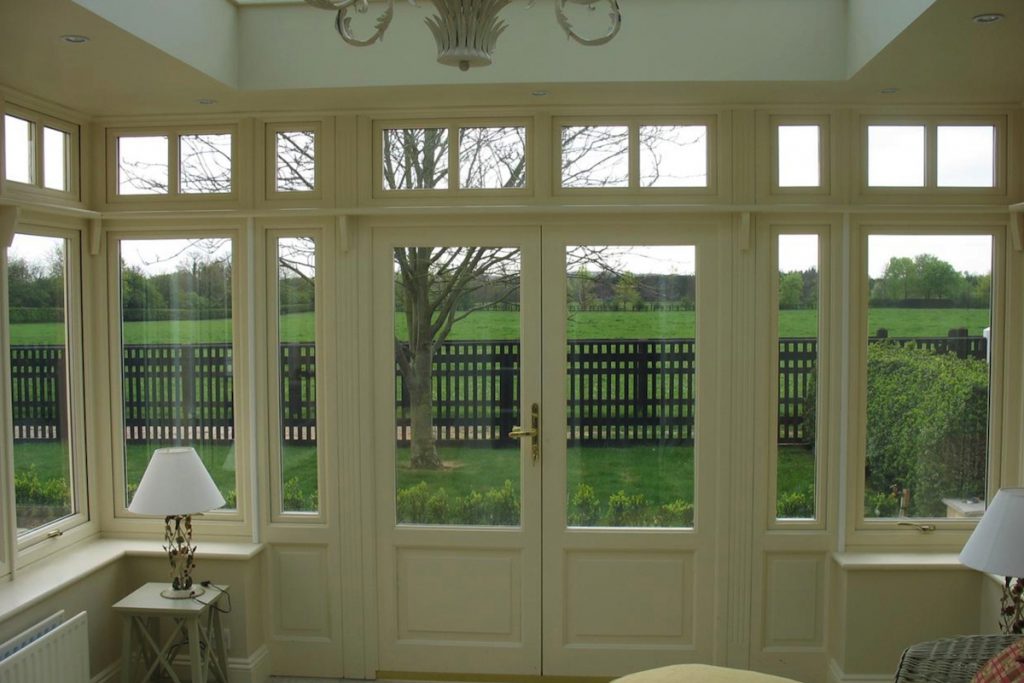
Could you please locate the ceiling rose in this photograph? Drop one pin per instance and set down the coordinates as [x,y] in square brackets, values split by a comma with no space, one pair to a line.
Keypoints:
[465,30]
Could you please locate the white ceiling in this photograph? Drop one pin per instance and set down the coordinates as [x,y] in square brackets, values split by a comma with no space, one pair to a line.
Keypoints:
[155,56]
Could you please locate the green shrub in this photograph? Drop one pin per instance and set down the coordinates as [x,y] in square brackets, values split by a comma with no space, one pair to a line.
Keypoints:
[927,421]
[420,505]
[678,513]
[584,506]
[796,504]
[298,500]
[627,510]
[29,489]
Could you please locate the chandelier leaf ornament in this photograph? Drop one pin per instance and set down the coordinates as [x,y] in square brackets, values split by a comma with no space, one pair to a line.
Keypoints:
[465,31]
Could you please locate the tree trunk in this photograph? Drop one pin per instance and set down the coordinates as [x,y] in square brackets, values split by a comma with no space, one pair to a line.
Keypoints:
[421,411]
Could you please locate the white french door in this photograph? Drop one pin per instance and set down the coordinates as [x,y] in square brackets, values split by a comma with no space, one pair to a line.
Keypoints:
[605,562]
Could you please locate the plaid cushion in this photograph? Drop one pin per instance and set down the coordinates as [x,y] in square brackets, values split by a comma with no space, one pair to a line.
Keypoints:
[1005,667]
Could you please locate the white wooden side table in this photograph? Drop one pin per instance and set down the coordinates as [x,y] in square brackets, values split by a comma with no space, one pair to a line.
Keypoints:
[195,619]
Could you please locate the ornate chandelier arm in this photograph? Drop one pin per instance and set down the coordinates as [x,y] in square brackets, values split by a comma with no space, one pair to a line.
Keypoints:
[343,23]
[615,14]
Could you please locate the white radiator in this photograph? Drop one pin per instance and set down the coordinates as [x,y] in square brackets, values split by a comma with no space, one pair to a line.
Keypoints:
[52,651]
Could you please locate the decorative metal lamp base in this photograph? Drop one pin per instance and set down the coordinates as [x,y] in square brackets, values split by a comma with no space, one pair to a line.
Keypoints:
[181,556]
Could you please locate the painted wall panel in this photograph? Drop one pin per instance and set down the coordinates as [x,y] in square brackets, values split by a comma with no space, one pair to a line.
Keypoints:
[795,589]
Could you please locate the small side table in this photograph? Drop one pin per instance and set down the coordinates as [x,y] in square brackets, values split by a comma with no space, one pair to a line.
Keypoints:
[949,660]
[197,621]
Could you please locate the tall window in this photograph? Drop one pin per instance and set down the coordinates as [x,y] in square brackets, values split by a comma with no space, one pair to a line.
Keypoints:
[929,317]
[46,464]
[177,355]
[798,323]
[298,475]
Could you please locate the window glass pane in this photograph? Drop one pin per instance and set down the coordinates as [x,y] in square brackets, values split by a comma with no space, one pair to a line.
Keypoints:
[177,355]
[296,284]
[966,156]
[492,158]
[798,374]
[205,163]
[457,391]
[927,374]
[673,156]
[415,159]
[296,160]
[896,156]
[595,156]
[55,159]
[19,149]
[799,156]
[630,386]
[43,471]
[142,165]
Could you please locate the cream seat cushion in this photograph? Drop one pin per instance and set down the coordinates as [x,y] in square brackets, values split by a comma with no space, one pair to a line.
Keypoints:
[700,673]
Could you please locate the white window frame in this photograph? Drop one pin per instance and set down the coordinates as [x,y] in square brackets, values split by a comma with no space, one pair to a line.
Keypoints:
[174,197]
[72,160]
[319,166]
[934,533]
[714,162]
[47,538]
[323,371]
[226,524]
[824,187]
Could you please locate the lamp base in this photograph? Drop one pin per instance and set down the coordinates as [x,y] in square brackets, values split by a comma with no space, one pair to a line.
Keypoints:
[183,594]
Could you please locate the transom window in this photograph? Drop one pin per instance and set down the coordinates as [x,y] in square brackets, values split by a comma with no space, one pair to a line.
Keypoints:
[946,154]
[40,151]
[203,163]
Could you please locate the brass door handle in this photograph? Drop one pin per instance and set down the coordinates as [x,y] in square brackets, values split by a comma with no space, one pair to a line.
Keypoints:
[533,432]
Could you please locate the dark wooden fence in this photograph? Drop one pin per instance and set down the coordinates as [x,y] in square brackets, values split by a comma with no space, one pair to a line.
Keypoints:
[619,391]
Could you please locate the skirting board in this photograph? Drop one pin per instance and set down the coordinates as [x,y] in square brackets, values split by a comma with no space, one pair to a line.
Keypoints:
[252,669]
[837,675]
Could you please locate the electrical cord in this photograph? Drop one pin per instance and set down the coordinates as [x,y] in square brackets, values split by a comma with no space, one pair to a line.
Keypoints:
[210,603]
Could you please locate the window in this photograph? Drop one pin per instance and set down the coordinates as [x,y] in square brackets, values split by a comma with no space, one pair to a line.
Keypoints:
[295,160]
[297,468]
[142,164]
[927,374]
[177,355]
[40,152]
[649,156]
[415,159]
[48,454]
[966,156]
[595,156]
[798,340]
[896,156]
[19,154]
[202,163]
[799,155]
[492,158]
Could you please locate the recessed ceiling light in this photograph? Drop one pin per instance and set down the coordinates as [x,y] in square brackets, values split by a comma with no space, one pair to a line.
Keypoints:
[988,18]
[540,93]
[206,101]
[889,91]
[74,38]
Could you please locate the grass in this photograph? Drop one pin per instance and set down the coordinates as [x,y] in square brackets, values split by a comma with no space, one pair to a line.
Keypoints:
[901,322]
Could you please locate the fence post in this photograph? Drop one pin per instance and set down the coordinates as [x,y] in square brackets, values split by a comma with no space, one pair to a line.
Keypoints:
[958,341]
[61,394]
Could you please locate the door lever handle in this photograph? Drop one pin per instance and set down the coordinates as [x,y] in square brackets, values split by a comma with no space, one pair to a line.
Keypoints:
[533,432]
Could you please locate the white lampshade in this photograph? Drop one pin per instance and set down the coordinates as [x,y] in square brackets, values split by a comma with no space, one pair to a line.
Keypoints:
[997,544]
[175,483]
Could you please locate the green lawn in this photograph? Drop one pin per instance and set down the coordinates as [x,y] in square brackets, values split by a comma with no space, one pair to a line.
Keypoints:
[901,322]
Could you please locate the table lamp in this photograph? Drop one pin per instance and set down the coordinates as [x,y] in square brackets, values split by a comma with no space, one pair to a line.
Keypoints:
[997,547]
[177,485]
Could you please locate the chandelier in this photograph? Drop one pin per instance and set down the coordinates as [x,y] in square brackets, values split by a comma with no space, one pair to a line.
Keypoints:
[465,30]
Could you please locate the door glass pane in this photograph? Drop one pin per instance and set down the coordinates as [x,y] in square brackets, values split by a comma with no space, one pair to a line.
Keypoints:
[630,386]
[595,156]
[142,164]
[798,374]
[966,156]
[296,284]
[457,385]
[205,164]
[177,362]
[19,149]
[415,159]
[927,375]
[673,156]
[43,473]
[492,158]
[55,159]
